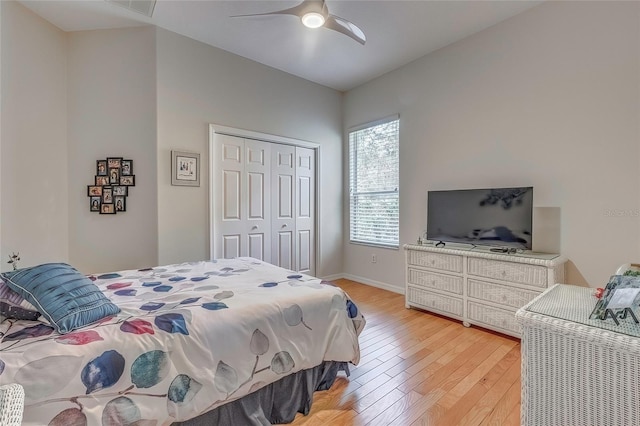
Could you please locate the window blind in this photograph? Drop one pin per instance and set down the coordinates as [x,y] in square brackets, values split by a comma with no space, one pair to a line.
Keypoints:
[374,181]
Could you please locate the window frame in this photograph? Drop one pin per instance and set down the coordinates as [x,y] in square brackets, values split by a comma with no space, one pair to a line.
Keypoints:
[396,192]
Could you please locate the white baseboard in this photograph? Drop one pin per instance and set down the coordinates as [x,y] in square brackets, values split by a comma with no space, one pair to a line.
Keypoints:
[333,277]
[366,281]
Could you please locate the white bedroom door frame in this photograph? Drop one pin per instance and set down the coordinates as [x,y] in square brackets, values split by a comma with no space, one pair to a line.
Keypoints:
[214,130]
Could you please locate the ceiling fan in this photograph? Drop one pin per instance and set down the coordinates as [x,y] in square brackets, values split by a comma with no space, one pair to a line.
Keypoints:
[315,14]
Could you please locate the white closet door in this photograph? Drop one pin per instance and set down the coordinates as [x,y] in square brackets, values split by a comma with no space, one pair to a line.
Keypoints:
[242,208]
[283,221]
[230,221]
[258,179]
[264,202]
[305,210]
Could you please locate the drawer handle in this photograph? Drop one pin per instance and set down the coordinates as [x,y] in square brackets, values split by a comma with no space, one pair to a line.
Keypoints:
[433,282]
[504,297]
[433,261]
[504,273]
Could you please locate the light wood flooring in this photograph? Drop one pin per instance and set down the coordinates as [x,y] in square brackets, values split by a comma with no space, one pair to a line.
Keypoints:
[421,369]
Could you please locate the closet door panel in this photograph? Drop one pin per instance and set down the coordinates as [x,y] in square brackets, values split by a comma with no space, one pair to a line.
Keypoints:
[229,213]
[283,223]
[305,210]
[258,201]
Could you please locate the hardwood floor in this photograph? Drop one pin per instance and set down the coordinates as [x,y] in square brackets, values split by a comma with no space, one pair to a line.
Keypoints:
[421,369]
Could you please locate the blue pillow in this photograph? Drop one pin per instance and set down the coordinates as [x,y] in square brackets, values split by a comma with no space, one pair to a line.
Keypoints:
[65,297]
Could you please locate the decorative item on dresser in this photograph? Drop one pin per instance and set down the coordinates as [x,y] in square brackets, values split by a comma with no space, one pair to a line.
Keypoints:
[477,286]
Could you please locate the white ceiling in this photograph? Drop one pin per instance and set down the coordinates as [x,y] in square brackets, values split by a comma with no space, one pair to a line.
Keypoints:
[398,32]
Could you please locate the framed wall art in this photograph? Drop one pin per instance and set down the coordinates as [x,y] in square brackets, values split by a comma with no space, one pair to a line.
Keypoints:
[185,168]
[108,194]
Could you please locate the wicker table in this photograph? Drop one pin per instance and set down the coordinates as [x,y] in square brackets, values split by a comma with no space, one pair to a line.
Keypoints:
[577,371]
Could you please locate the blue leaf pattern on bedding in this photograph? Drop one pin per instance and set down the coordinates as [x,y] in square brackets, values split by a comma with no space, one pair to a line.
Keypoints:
[171,323]
[269,285]
[163,288]
[152,306]
[181,391]
[30,332]
[352,309]
[214,306]
[103,371]
[126,292]
[149,369]
[109,276]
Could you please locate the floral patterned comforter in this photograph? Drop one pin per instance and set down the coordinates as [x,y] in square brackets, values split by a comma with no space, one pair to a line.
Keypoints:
[190,337]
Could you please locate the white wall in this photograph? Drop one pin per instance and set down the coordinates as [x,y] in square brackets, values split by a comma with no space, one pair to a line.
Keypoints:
[199,84]
[112,113]
[34,131]
[549,98]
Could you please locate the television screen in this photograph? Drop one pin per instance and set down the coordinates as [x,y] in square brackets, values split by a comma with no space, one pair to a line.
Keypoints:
[497,217]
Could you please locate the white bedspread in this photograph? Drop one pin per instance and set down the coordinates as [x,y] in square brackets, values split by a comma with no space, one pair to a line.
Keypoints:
[190,337]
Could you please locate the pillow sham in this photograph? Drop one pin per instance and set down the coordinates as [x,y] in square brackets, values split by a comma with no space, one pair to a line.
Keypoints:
[65,297]
[12,305]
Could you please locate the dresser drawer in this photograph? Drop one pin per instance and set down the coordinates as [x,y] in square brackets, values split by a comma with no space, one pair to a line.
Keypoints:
[436,302]
[444,262]
[494,317]
[508,271]
[500,294]
[448,283]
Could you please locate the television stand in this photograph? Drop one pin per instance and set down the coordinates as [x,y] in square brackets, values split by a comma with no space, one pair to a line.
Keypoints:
[478,287]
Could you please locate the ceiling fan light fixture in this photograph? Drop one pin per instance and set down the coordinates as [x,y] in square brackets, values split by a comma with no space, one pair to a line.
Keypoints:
[313,20]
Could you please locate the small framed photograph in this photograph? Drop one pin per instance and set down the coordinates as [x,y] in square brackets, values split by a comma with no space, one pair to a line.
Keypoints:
[94,191]
[119,191]
[127,167]
[107,195]
[102,180]
[107,209]
[121,203]
[95,204]
[185,168]
[128,180]
[102,167]
[114,162]
[114,175]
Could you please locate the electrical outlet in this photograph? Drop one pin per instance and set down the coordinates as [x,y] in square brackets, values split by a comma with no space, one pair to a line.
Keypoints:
[374,258]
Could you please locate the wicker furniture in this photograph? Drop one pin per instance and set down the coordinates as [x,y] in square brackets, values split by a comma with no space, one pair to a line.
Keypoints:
[577,371]
[477,286]
[11,405]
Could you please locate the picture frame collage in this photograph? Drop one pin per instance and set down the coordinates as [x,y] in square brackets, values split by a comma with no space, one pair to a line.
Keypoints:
[108,194]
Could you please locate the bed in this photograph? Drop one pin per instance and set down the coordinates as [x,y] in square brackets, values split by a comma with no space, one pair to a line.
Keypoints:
[195,342]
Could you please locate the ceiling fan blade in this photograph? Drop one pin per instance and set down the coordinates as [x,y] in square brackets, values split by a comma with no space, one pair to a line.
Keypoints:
[345,27]
[298,10]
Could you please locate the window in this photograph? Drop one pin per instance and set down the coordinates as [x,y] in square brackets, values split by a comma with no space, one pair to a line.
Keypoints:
[374,180]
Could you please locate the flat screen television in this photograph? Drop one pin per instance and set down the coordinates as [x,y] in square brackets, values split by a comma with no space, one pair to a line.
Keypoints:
[496,217]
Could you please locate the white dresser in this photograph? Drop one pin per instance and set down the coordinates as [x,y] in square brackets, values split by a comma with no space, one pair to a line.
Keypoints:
[477,286]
